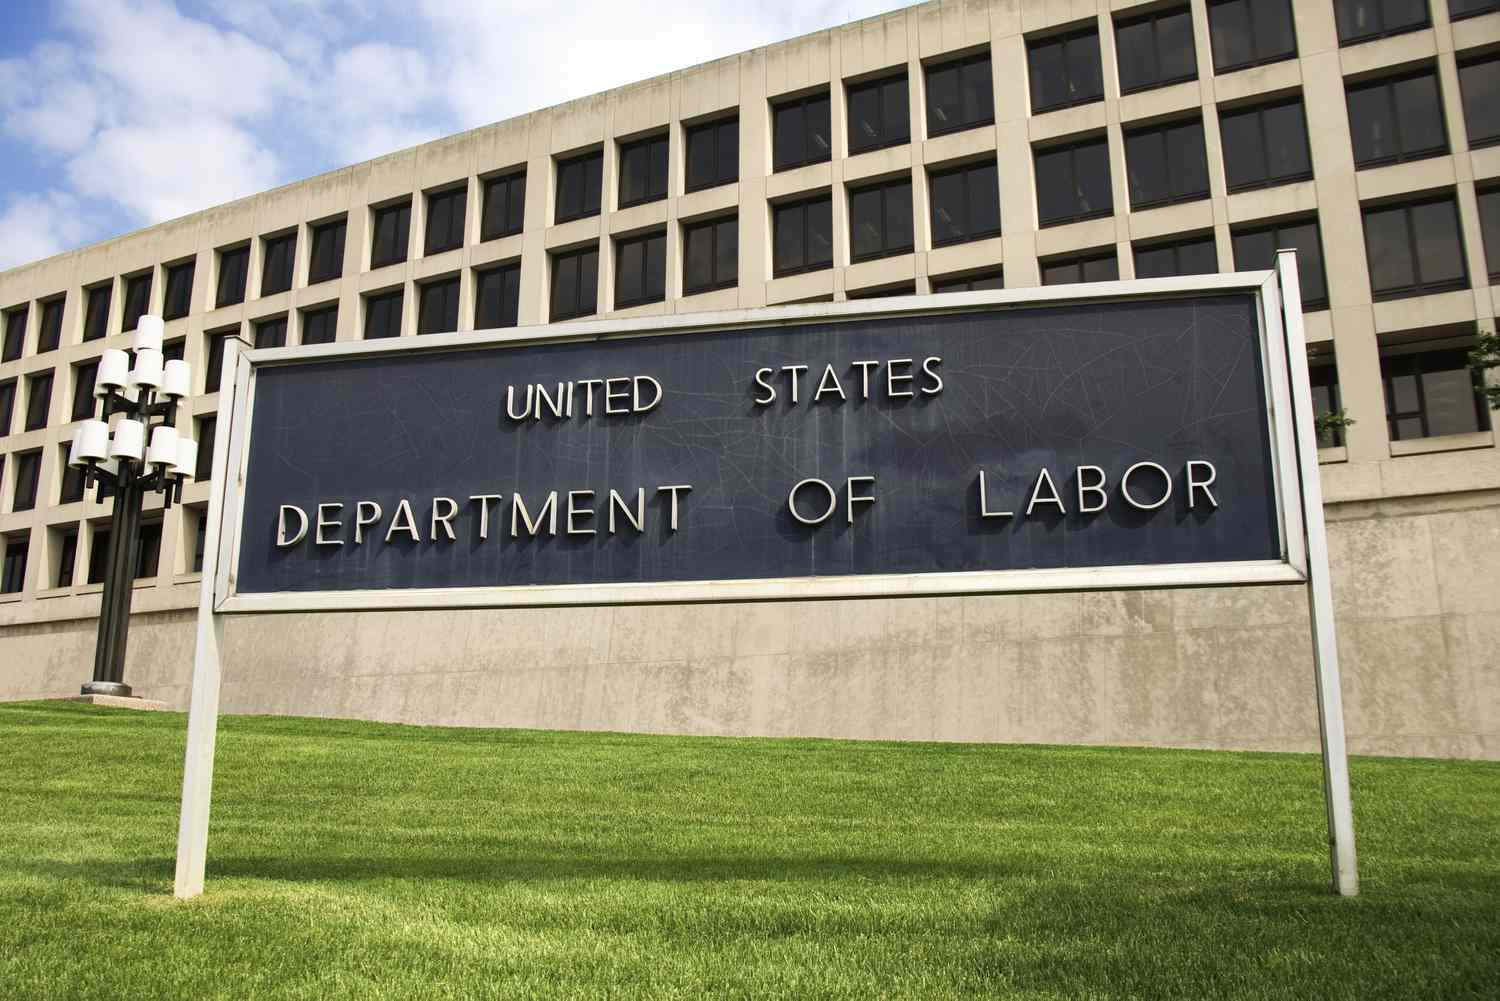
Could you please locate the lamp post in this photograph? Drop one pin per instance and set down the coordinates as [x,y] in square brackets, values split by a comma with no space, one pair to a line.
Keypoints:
[141,454]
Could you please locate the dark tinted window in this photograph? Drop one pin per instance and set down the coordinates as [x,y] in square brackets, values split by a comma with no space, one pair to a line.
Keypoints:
[7,405]
[207,429]
[276,272]
[1432,393]
[504,206]
[1399,118]
[880,221]
[971,283]
[391,235]
[1065,70]
[15,334]
[67,552]
[200,542]
[575,283]
[213,367]
[800,132]
[98,555]
[1326,399]
[879,114]
[1072,182]
[1458,9]
[1479,82]
[13,574]
[179,297]
[1166,164]
[640,270]
[1196,256]
[28,467]
[960,95]
[84,374]
[38,400]
[1256,248]
[1489,224]
[233,266]
[1359,20]
[1156,49]
[883,291]
[174,350]
[326,261]
[148,550]
[1098,267]
[710,254]
[643,171]
[383,315]
[713,154]
[802,236]
[1265,145]
[965,203]
[1250,32]
[445,220]
[437,313]
[271,333]
[1415,248]
[50,335]
[137,301]
[96,312]
[497,297]
[320,326]
[578,181]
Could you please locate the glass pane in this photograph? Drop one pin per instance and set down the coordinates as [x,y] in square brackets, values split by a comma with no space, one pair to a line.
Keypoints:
[1387,246]
[593,176]
[1274,33]
[1244,155]
[865,124]
[790,138]
[564,284]
[729,152]
[820,232]
[1303,238]
[697,252]
[1146,168]
[633,175]
[1450,401]
[1253,251]
[1085,77]
[1091,169]
[1135,49]
[979,92]
[1229,31]
[1054,185]
[1048,72]
[1200,257]
[1371,124]
[1286,138]
[1155,262]
[1174,45]
[701,157]
[1401,14]
[656,268]
[898,216]
[630,282]
[790,251]
[984,200]
[1419,115]
[942,99]
[865,222]
[1060,273]
[896,112]
[819,131]
[946,194]
[657,186]
[1440,256]
[727,251]
[1101,269]
[1480,84]
[1189,167]
[1489,222]
[588,282]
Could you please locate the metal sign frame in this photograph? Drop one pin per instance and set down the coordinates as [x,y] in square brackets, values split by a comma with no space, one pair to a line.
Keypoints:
[1296,488]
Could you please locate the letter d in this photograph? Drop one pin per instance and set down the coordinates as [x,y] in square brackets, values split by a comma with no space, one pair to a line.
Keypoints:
[281,536]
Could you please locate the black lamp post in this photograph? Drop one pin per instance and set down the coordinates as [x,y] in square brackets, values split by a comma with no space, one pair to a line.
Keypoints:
[142,453]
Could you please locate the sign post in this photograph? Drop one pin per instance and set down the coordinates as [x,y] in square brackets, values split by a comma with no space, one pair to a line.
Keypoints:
[1092,437]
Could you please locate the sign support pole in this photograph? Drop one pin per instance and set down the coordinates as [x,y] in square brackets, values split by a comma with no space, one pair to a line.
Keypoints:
[1319,592]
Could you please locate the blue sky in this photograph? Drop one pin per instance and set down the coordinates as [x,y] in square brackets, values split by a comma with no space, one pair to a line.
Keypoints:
[116,114]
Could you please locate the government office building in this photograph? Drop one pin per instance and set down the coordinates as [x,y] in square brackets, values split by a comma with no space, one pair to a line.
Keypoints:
[947,146]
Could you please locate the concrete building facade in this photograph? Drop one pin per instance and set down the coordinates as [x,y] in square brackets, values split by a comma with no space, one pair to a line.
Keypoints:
[1122,138]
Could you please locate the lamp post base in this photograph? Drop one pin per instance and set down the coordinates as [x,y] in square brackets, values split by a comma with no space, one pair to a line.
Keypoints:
[118,702]
[114,688]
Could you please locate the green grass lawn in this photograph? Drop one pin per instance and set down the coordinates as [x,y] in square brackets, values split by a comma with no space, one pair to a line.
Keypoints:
[372,861]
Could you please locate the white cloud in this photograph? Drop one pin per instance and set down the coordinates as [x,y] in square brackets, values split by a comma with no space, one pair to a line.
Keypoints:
[39,225]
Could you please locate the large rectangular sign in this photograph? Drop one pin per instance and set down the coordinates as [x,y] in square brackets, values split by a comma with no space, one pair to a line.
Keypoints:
[950,443]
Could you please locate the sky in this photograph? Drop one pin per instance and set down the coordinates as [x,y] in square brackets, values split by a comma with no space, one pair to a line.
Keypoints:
[118,114]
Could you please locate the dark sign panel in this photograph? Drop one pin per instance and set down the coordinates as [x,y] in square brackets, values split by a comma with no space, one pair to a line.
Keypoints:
[1074,436]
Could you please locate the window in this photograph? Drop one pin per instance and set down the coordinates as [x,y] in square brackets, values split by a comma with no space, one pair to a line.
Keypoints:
[883,291]
[214,366]
[200,537]
[207,428]
[965,203]
[1256,248]
[1072,182]
[13,576]
[640,269]
[802,236]
[96,311]
[233,266]
[15,334]
[978,281]
[1065,70]
[1415,249]
[1156,49]
[1432,393]
[391,235]
[643,171]
[320,326]
[1166,164]
[960,95]
[879,114]
[38,400]
[1100,266]
[445,220]
[880,222]
[1194,256]
[437,312]
[28,470]
[137,301]
[51,333]
[1361,20]
[1395,119]
[504,208]
[1459,9]
[67,556]
[179,298]
[174,349]
[84,374]
[7,404]
[497,297]
[271,333]
[710,255]
[276,273]
[1250,32]
[713,154]
[1326,399]
[575,283]
[1265,145]
[800,132]
[148,550]
[1479,82]
[383,314]
[326,261]
[72,479]
[98,555]
[578,183]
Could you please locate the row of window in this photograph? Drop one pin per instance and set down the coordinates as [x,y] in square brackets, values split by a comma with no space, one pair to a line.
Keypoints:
[65,545]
